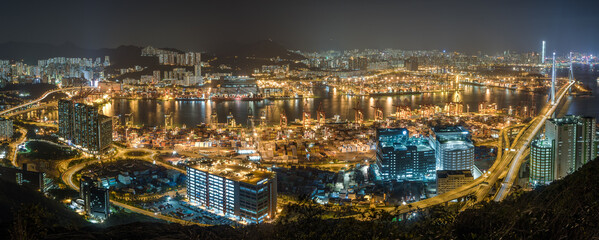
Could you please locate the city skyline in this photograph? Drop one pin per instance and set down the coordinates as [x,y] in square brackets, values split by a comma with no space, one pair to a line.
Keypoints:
[299,120]
[310,26]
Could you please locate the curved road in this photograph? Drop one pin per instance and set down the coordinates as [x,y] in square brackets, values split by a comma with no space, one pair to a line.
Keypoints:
[14,146]
[67,177]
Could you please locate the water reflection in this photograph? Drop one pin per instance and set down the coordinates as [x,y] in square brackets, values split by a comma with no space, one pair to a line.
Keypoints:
[191,113]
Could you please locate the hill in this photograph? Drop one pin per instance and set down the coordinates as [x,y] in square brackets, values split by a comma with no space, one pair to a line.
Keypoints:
[566,209]
[264,49]
[30,53]
[32,212]
[244,58]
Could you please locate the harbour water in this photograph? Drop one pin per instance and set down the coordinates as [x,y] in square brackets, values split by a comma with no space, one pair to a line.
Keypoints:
[191,113]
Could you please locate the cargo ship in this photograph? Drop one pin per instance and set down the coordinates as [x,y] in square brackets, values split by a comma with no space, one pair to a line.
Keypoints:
[236,98]
[380,94]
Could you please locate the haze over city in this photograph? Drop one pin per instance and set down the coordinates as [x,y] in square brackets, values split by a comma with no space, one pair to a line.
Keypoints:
[470,26]
[299,119]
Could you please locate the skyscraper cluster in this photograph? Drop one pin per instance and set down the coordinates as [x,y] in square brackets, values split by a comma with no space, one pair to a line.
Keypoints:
[82,125]
[400,157]
[447,156]
[171,57]
[569,143]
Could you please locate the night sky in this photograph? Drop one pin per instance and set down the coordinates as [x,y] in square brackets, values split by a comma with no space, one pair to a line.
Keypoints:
[470,26]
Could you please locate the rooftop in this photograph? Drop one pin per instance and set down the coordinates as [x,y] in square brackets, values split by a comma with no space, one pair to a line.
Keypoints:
[455,134]
[449,129]
[568,119]
[542,143]
[234,170]
[446,173]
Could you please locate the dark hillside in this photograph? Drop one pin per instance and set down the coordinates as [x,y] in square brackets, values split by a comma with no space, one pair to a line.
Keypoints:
[567,209]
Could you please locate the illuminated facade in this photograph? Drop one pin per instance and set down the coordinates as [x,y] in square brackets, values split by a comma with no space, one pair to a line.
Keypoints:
[84,127]
[543,53]
[572,139]
[541,162]
[232,190]
[448,180]
[454,148]
[400,157]
[96,199]
[6,129]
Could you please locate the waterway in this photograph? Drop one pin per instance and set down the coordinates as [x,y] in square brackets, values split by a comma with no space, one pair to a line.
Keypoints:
[191,113]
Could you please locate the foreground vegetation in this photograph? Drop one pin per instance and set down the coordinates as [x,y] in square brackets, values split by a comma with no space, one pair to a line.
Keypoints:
[567,209]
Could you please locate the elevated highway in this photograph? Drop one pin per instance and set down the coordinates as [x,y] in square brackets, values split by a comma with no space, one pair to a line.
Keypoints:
[504,170]
[46,94]
[522,143]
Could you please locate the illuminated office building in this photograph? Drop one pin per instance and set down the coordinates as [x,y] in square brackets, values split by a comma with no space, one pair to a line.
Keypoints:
[96,199]
[245,193]
[454,148]
[541,162]
[400,157]
[572,138]
[448,180]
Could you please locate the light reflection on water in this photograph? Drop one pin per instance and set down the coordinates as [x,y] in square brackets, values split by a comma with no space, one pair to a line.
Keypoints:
[191,113]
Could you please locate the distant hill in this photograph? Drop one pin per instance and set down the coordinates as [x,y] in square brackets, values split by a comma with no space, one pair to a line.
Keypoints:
[30,53]
[265,49]
[244,58]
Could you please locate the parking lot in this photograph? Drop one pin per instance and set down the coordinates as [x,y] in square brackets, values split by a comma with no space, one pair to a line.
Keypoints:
[187,212]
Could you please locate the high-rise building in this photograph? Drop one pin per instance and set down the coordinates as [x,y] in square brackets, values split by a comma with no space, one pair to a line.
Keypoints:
[84,127]
[411,64]
[572,139]
[400,157]
[585,139]
[454,148]
[246,193]
[358,63]
[543,53]
[552,93]
[99,203]
[6,128]
[85,184]
[198,74]
[65,119]
[448,180]
[597,143]
[96,199]
[24,177]
[541,162]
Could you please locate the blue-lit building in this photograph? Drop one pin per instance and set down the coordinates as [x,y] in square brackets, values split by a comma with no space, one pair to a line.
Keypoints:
[246,193]
[541,162]
[400,157]
[454,148]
